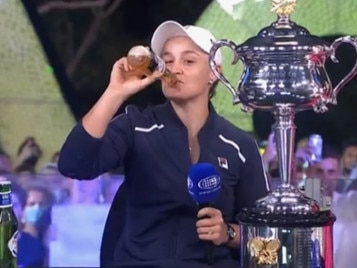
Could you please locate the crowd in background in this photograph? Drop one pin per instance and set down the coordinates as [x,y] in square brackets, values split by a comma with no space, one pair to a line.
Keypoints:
[332,164]
[37,189]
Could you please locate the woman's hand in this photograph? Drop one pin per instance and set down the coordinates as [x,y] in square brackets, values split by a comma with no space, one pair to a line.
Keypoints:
[211,226]
[127,81]
[124,82]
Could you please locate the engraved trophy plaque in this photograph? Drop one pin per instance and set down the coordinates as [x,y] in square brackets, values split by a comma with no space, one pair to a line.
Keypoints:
[284,73]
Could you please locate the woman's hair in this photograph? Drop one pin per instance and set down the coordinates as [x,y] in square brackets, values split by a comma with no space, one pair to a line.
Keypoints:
[212,90]
[49,197]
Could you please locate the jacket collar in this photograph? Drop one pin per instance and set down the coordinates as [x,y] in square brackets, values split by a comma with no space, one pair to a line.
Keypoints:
[168,117]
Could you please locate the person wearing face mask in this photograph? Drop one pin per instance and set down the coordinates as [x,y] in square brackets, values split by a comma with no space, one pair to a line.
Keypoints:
[34,224]
[157,146]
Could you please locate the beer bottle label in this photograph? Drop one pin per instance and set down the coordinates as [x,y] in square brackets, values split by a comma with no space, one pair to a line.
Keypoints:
[12,244]
[5,200]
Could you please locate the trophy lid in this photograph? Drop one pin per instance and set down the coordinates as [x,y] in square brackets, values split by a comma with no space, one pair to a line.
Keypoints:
[282,33]
[286,206]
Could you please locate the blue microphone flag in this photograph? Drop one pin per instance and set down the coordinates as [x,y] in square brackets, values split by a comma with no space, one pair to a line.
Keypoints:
[203,183]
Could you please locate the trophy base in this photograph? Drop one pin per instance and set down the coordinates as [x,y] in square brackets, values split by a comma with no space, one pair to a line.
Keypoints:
[286,229]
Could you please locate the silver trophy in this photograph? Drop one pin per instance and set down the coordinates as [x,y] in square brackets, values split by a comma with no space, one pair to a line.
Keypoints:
[284,73]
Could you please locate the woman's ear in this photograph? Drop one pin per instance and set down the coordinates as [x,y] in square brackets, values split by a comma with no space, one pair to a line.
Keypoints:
[213,78]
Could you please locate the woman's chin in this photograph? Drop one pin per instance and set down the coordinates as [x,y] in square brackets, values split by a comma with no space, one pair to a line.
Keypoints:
[172,93]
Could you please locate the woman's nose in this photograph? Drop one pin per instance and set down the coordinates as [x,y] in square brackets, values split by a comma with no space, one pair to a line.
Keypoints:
[175,68]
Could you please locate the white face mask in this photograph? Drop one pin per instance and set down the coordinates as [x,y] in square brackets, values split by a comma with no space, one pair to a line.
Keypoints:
[33,214]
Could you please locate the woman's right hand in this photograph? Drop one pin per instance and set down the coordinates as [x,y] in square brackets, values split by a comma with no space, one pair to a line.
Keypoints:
[127,81]
[124,82]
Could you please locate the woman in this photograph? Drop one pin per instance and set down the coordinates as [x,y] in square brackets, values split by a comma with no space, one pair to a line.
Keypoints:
[157,146]
[34,226]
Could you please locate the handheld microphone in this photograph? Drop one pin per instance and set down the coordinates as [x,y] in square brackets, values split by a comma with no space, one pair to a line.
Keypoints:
[203,185]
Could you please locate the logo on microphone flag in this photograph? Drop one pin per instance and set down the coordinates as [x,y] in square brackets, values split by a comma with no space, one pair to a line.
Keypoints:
[222,162]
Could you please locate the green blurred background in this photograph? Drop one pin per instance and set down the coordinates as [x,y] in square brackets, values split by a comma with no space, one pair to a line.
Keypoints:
[32,102]
[31,99]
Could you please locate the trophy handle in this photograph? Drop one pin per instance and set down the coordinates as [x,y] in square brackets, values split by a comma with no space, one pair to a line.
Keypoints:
[215,46]
[352,41]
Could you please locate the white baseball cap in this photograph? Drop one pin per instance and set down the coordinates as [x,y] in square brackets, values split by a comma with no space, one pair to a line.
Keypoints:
[200,36]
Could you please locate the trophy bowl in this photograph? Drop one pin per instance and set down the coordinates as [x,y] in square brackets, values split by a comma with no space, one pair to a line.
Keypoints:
[283,64]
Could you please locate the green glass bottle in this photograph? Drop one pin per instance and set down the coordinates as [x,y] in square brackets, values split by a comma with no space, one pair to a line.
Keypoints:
[8,228]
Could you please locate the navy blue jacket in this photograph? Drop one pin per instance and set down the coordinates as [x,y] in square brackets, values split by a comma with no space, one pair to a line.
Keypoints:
[31,251]
[160,215]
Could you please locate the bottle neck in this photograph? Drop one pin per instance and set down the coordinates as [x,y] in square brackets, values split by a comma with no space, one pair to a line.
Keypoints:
[160,66]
